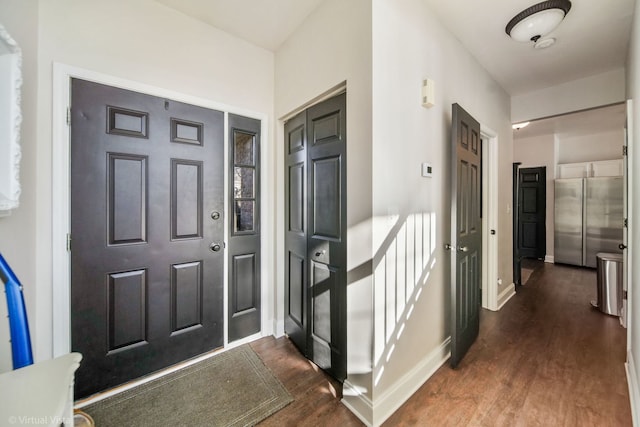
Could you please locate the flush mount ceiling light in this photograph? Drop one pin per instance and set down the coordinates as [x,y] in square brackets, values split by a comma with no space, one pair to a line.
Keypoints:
[537,20]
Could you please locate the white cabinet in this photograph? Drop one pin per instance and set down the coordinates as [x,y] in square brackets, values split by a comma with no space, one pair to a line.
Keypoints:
[591,169]
[574,170]
[607,168]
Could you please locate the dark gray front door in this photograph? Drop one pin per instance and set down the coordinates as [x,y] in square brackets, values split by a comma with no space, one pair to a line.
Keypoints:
[532,194]
[315,257]
[146,258]
[244,225]
[466,233]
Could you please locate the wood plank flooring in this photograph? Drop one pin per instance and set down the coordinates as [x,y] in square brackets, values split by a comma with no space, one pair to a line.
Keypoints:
[317,396]
[547,358]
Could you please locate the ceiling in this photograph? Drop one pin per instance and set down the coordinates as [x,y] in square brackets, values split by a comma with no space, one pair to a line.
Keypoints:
[265,23]
[598,120]
[592,39]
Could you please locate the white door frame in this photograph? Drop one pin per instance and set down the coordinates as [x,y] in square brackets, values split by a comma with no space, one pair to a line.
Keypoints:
[61,198]
[628,232]
[489,218]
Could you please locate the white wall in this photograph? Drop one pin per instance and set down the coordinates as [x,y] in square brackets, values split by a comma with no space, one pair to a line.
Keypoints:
[633,337]
[333,45]
[587,148]
[589,92]
[140,41]
[540,151]
[17,232]
[412,284]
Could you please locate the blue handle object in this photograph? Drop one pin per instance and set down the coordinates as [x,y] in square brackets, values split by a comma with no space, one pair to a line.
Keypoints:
[18,323]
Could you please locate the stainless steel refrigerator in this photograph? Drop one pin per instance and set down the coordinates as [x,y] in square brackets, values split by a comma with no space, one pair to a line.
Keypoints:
[588,219]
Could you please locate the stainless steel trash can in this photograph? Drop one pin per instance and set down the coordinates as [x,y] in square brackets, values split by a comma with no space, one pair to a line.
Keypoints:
[609,283]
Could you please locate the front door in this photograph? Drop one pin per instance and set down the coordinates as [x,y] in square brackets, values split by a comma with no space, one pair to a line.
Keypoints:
[146,251]
[466,233]
[315,259]
[532,196]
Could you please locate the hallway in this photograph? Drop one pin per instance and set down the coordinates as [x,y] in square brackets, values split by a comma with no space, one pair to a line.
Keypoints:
[547,358]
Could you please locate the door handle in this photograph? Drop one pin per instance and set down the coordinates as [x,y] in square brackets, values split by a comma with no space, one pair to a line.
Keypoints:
[463,249]
[216,247]
[622,246]
[215,215]
[448,247]
[322,252]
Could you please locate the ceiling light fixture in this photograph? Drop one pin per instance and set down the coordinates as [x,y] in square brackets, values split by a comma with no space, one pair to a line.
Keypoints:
[544,43]
[537,20]
[518,126]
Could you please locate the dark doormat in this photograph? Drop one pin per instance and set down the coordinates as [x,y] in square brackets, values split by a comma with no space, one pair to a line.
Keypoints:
[233,388]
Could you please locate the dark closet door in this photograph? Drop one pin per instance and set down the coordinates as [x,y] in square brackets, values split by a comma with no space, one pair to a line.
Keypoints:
[146,259]
[296,264]
[327,238]
[532,193]
[316,234]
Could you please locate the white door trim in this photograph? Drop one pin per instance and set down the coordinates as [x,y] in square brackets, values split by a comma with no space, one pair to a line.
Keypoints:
[61,206]
[490,218]
[628,173]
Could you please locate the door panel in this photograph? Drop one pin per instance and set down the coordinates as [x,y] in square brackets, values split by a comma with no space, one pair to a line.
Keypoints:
[296,265]
[568,224]
[146,290]
[316,235]
[327,249]
[604,217]
[326,197]
[466,257]
[532,190]
[244,242]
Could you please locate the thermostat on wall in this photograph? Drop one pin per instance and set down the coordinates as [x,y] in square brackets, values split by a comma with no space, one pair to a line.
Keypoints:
[427,171]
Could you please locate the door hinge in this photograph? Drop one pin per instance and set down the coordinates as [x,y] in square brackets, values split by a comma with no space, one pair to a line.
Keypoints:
[624,150]
[625,223]
[624,294]
[68,242]
[68,116]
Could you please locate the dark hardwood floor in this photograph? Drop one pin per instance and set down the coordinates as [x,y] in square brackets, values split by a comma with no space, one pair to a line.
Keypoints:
[317,396]
[547,358]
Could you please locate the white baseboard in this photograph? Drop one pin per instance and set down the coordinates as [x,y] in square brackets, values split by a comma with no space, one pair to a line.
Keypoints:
[549,259]
[376,413]
[506,295]
[634,388]
[279,328]
[357,402]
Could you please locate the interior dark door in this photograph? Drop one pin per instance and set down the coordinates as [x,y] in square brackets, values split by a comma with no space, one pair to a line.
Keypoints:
[326,243]
[315,259]
[146,258]
[532,190]
[466,247]
[244,225]
[296,264]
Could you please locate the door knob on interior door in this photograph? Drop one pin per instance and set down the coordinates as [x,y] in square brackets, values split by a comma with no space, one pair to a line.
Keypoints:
[215,247]
[622,246]
[463,249]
